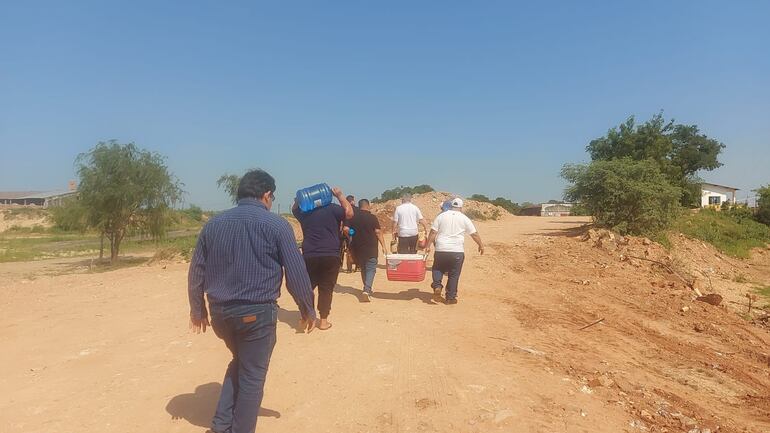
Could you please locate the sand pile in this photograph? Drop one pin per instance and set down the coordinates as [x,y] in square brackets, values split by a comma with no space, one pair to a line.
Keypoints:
[24,218]
[430,205]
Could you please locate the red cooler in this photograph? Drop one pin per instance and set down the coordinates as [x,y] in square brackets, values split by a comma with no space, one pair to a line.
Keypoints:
[406,267]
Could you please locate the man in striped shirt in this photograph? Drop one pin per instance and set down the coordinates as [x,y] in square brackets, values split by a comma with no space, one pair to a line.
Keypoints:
[239,263]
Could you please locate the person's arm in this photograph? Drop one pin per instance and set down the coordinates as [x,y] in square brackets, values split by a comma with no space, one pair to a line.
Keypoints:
[476,238]
[474,234]
[199,318]
[381,238]
[395,224]
[344,203]
[431,239]
[424,225]
[297,280]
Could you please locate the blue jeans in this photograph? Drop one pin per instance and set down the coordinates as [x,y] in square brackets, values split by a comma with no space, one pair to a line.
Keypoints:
[368,269]
[249,332]
[451,264]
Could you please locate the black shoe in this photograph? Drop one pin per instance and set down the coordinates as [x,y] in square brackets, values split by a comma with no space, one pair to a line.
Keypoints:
[451,301]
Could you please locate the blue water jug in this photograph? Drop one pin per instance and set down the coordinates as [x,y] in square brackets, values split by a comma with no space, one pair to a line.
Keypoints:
[314,197]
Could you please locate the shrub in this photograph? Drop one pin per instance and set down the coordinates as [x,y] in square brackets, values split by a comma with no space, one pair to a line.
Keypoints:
[763,205]
[395,193]
[628,196]
[70,216]
[477,215]
[194,212]
[731,232]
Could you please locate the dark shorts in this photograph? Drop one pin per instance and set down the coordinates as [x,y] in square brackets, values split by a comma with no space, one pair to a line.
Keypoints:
[407,245]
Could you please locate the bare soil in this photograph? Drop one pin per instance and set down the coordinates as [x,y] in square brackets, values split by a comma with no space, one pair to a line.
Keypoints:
[96,352]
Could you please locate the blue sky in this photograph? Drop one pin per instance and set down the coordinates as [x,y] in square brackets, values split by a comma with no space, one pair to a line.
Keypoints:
[470,97]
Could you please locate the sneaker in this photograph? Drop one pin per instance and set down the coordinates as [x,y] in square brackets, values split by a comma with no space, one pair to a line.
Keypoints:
[367,297]
[451,301]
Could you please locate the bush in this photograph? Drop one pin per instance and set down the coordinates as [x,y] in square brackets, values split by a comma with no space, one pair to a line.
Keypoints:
[477,215]
[763,205]
[194,212]
[628,196]
[511,207]
[395,193]
[71,216]
[733,232]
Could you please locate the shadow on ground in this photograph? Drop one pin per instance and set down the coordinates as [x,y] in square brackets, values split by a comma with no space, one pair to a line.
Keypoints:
[290,318]
[198,408]
[404,295]
[571,232]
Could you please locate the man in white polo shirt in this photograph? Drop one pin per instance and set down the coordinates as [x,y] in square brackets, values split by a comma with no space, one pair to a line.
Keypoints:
[405,220]
[448,231]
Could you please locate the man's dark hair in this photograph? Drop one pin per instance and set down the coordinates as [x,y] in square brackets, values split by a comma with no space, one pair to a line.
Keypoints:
[255,183]
[363,202]
[350,198]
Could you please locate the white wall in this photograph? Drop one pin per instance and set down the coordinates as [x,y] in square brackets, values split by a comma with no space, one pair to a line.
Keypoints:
[724,194]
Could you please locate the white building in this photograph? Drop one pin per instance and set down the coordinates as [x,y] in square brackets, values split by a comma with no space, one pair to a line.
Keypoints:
[714,195]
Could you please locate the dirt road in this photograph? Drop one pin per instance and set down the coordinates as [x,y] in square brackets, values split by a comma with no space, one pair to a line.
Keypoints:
[112,352]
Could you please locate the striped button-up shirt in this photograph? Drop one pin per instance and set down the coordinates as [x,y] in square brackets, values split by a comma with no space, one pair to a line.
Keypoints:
[241,255]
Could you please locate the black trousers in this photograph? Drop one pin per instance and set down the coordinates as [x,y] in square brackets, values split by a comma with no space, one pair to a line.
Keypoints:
[407,245]
[323,273]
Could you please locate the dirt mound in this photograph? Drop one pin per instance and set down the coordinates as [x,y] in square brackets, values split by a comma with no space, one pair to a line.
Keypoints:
[621,318]
[430,205]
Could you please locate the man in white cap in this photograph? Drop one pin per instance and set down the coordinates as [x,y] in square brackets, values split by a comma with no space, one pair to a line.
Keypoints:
[405,220]
[448,232]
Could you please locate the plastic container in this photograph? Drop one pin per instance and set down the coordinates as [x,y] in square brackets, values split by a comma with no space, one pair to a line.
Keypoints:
[405,267]
[314,197]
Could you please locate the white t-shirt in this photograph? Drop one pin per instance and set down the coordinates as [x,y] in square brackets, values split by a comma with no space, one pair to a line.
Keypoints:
[406,217]
[451,227]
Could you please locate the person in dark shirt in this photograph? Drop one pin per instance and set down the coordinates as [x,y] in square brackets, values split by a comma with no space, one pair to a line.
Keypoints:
[321,248]
[239,262]
[364,244]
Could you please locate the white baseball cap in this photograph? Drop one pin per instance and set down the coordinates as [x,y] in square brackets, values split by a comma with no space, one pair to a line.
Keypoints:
[457,202]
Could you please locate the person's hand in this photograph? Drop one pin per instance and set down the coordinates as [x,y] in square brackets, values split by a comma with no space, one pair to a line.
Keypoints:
[198,326]
[337,192]
[307,324]
[427,250]
[481,249]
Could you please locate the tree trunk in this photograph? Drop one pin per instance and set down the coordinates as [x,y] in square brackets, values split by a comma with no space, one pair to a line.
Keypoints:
[101,247]
[117,237]
[113,253]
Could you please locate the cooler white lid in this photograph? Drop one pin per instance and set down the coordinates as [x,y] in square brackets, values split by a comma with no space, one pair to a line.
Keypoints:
[405,257]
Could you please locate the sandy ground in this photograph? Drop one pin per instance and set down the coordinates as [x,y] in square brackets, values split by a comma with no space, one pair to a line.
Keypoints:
[112,352]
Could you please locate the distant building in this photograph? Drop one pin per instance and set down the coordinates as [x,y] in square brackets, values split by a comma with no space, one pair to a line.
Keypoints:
[43,199]
[714,195]
[548,209]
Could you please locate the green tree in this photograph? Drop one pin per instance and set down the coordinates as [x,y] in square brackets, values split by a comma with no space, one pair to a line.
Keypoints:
[680,151]
[124,187]
[631,197]
[229,183]
[763,205]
